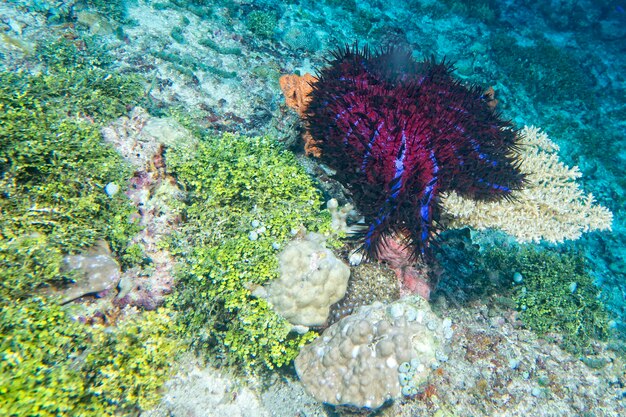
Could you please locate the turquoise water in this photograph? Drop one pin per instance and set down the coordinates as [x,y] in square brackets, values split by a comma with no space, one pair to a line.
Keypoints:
[143,218]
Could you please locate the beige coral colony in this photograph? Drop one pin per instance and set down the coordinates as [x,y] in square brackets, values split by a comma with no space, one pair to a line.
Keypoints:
[551,207]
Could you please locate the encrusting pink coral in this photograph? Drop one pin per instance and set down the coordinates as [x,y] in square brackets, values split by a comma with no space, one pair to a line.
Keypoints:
[412,274]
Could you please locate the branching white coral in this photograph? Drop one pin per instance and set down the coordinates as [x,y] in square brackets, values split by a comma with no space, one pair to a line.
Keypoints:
[550,207]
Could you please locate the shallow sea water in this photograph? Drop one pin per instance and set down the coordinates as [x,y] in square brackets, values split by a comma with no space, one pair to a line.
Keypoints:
[147,323]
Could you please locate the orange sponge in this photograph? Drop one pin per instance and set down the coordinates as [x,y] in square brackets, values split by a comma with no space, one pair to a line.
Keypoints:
[297,90]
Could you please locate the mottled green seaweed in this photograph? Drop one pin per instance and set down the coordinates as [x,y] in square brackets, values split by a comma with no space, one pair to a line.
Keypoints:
[186,64]
[219,72]
[549,74]
[54,167]
[349,5]
[209,43]
[262,24]
[484,10]
[113,9]
[556,295]
[39,345]
[233,183]
[81,82]
[160,5]
[201,8]
[177,34]
[128,366]
[54,366]
[53,170]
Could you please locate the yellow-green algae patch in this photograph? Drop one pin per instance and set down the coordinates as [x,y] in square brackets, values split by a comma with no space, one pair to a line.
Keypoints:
[53,170]
[51,365]
[247,198]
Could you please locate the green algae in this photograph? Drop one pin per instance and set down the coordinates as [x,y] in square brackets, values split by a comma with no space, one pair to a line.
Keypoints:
[54,167]
[235,183]
[54,366]
[556,295]
[549,74]
[262,24]
[186,64]
[53,170]
[209,43]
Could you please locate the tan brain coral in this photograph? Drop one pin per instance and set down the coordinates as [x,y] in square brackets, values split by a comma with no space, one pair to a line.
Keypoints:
[311,280]
[379,353]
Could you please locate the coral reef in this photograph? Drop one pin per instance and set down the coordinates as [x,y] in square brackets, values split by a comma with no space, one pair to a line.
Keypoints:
[142,140]
[550,207]
[485,10]
[550,74]
[376,354]
[202,63]
[115,9]
[369,282]
[311,280]
[574,15]
[302,38]
[262,23]
[549,290]
[200,389]
[400,132]
[495,368]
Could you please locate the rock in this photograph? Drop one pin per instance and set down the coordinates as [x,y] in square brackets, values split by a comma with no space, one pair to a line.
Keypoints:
[96,271]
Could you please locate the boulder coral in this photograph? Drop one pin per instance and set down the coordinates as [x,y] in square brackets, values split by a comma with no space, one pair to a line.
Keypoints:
[311,280]
[379,353]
